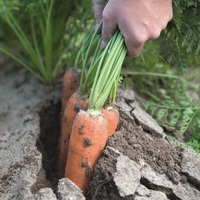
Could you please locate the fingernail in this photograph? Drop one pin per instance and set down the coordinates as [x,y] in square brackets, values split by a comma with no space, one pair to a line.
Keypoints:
[96,26]
[103,45]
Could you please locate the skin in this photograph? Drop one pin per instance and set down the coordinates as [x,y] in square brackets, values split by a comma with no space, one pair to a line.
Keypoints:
[138,20]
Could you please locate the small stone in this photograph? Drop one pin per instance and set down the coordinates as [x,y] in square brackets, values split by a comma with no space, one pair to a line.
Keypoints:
[143,191]
[127,94]
[146,121]
[67,190]
[173,176]
[128,175]
[45,194]
[178,191]
[190,165]
[154,195]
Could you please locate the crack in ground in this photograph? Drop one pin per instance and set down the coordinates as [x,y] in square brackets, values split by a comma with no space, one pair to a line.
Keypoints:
[168,191]
[48,142]
[192,181]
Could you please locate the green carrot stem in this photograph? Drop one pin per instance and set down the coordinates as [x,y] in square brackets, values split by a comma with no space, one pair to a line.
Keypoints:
[107,72]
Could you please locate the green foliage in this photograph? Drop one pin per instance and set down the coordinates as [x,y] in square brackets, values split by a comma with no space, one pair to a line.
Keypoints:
[38,27]
[76,26]
[194,141]
[172,99]
[101,79]
[180,42]
[176,110]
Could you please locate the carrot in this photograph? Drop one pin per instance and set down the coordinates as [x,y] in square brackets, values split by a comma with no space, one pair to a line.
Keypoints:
[88,139]
[71,80]
[112,115]
[90,129]
[75,103]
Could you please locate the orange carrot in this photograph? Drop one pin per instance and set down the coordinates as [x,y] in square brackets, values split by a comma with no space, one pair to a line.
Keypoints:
[112,115]
[88,139]
[75,103]
[71,80]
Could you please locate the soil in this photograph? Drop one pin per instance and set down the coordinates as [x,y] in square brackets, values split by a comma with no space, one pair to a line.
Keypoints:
[138,145]
[48,142]
[131,139]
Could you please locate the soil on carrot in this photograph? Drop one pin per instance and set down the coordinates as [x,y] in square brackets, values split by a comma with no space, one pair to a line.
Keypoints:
[138,145]
[129,139]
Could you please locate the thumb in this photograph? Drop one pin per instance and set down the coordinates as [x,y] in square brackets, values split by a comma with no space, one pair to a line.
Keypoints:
[98,6]
[109,25]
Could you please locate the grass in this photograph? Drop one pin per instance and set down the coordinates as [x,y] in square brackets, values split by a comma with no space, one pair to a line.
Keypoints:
[39,29]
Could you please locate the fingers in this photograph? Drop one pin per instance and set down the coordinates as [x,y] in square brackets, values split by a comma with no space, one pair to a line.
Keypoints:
[134,36]
[98,6]
[138,21]
[109,26]
[134,50]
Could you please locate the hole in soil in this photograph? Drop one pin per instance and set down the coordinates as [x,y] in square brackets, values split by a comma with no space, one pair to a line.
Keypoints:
[48,141]
[168,191]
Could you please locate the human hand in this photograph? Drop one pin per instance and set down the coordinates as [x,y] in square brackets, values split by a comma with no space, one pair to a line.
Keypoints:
[138,20]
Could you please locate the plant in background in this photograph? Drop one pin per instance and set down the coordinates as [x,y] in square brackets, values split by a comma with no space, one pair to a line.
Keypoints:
[39,27]
[194,141]
[171,98]
[180,42]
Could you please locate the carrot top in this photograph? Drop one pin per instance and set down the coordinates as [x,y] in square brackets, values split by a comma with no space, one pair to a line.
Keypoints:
[89,53]
[101,79]
[108,72]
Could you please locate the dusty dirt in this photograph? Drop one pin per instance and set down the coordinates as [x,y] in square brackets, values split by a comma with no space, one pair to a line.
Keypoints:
[131,139]
[48,142]
[139,146]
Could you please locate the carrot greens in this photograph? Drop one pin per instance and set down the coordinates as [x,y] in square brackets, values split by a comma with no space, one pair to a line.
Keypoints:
[108,71]
[40,33]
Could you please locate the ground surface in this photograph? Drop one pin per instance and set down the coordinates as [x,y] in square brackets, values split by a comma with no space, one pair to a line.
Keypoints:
[138,162]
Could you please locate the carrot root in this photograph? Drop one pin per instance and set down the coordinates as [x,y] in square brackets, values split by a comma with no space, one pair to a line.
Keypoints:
[71,80]
[87,141]
[75,103]
[112,115]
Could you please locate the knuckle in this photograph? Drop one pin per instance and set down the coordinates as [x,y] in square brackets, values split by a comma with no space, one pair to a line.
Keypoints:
[164,26]
[134,49]
[155,34]
[168,19]
[171,17]
[139,39]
